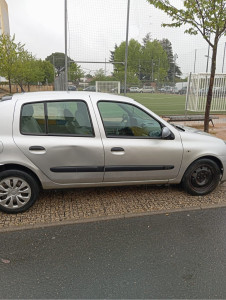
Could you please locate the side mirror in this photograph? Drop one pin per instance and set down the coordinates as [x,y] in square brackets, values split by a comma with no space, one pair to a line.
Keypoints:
[166,133]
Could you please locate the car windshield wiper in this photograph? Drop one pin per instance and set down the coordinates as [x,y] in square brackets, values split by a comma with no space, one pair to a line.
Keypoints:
[178,127]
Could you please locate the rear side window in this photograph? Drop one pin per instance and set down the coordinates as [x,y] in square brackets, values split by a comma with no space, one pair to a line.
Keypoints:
[33,119]
[70,117]
[56,118]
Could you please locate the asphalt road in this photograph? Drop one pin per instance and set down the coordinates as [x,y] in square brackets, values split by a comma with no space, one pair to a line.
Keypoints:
[180,255]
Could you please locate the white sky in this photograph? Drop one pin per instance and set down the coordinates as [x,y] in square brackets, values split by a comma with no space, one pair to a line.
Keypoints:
[94,28]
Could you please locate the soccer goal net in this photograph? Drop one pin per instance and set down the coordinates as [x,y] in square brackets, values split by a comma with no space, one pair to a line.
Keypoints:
[197,90]
[108,87]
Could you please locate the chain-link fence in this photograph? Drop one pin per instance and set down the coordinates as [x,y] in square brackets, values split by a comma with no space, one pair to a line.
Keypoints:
[97,33]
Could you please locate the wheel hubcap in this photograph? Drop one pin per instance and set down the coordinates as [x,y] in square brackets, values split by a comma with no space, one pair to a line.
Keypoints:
[14,192]
[202,177]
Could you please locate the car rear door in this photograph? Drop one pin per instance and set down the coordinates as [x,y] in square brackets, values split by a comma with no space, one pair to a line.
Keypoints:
[66,150]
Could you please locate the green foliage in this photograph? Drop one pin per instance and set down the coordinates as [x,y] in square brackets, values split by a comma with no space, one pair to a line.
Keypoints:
[147,62]
[131,78]
[100,76]
[134,54]
[207,17]
[154,63]
[48,71]
[74,72]
[57,59]
[174,69]
[27,70]
[10,54]
[19,66]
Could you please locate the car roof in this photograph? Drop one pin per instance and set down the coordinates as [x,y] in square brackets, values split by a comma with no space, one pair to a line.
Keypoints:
[70,95]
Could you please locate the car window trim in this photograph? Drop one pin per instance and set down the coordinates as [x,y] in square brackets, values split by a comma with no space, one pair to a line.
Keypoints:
[128,137]
[46,133]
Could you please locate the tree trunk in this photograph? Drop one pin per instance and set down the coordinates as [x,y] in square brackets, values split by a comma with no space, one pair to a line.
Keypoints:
[21,86]
[210,90]
[10,86]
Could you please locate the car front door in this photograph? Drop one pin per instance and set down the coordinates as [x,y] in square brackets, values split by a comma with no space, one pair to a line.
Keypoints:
[62,139]
[134,147]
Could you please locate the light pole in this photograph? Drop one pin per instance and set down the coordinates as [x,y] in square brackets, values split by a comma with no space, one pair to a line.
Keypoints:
[207,63]
[126,51]
[174,72]
[223,57]
[65,28]
[152,70]
[195,60]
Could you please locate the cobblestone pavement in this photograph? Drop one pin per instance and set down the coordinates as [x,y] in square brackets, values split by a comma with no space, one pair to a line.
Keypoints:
[68,206]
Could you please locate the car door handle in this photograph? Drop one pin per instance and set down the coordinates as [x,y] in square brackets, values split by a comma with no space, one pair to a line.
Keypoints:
[37,148]
[117,149]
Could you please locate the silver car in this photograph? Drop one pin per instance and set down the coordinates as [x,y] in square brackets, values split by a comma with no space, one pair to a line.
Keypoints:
[55,140]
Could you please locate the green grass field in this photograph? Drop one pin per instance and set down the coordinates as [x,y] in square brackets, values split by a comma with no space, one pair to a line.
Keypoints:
[164,104]
[161,104]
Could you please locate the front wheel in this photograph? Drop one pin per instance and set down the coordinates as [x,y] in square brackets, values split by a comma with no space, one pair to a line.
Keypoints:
[18,191]
[201,177]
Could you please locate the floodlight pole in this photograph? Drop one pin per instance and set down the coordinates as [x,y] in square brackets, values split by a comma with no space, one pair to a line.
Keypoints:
[223,58]
[65,27]
[207,61]
[126,51]
[195,60]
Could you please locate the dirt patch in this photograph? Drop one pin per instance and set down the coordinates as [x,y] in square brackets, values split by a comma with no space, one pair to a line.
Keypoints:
[218,130]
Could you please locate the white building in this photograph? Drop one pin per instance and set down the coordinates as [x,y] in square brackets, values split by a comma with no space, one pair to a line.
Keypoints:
[4,22]
[4,18]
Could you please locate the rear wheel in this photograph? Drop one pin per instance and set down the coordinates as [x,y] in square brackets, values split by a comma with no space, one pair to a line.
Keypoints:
[18,191]
[202,177]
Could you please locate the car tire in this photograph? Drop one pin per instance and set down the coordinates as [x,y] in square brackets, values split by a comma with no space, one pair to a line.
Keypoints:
[201,177]
[18,191]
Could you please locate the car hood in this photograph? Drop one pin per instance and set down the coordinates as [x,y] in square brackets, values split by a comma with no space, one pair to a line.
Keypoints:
[192,130]
[196,140]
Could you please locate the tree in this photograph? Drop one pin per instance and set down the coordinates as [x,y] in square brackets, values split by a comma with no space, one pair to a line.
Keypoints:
[131,78]
[74,72]
[147,38]
[174,69]
[10,53]
[145,62]
[20,66]
[48,71]
[154,62]
[134,54]
[57,59]
[207,18]
[27,70]
[99,75]
[112,54]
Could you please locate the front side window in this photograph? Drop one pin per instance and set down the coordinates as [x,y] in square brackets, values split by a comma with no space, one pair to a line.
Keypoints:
[56,118]
[123,119]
